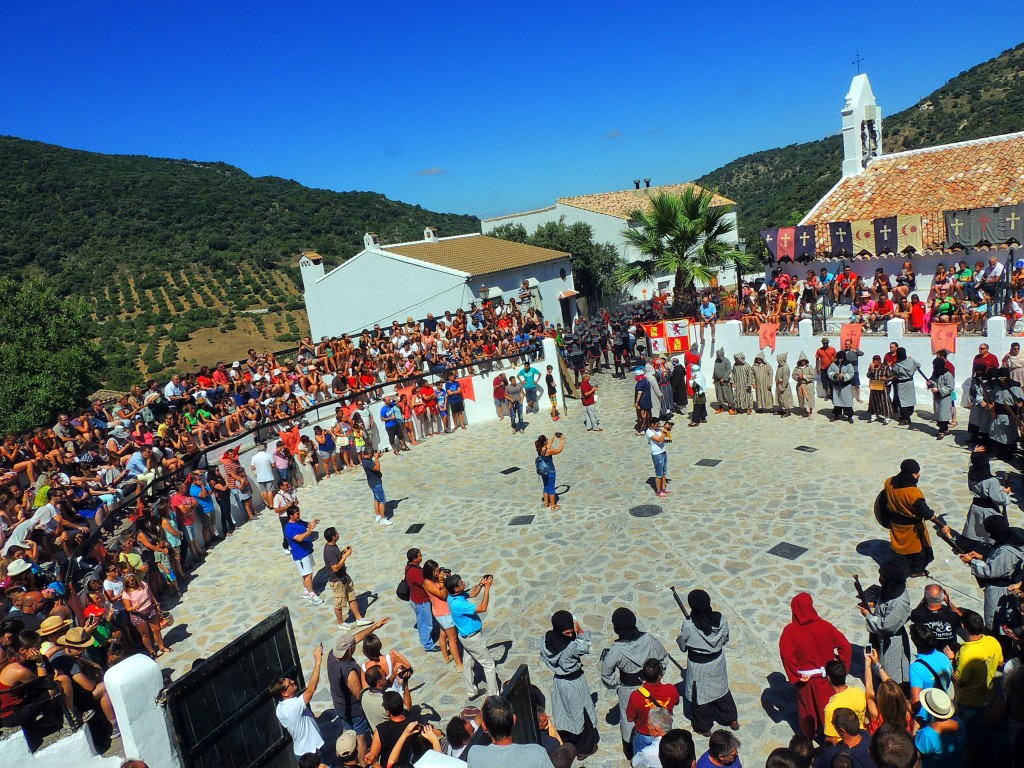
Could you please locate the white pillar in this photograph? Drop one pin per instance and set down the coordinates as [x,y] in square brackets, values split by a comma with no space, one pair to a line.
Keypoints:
[895,329]
[806,328]
[995,328]
[133,685]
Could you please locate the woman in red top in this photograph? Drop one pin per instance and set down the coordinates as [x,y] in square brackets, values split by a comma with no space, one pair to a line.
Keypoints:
[499,384]
[917,311]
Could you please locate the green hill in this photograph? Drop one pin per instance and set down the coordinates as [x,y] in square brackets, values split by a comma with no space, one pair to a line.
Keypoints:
[175,256]
[769,186]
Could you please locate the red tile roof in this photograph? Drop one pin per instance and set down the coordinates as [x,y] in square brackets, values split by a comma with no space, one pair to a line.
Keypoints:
[981,173]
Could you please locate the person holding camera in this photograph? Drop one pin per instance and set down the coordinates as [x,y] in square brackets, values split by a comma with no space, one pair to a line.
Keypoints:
[300,540]
[466,615]
[546,450]
[370,461]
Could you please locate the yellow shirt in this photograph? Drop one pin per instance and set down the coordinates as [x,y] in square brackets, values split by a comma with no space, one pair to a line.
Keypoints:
[851,698]
[975,669]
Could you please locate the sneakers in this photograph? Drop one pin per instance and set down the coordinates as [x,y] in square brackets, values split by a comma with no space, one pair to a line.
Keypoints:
[306,594]
[316,600]
[661,495]
[363,622]
[385,521]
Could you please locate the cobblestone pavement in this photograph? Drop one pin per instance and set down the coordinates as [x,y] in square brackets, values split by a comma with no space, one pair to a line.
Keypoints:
[592,555]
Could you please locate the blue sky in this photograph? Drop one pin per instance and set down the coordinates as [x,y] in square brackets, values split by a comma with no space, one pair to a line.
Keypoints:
[468,107]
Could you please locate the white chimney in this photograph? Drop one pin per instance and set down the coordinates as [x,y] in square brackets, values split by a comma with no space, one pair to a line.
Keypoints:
[862,127]
[371,240]
[430,234]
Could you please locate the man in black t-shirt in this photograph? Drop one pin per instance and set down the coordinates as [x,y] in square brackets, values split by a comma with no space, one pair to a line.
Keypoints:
[937,612]
[345,678]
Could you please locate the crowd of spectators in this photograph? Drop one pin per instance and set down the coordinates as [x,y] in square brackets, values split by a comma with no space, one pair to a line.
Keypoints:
[960,294]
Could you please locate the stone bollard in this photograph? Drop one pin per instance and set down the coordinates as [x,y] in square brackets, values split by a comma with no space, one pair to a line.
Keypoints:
[134,685]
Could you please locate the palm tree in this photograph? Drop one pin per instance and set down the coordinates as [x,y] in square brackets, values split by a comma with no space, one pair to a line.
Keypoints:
[683,234]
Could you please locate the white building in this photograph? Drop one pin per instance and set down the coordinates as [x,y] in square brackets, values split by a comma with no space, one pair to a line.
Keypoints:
[394,282]
[607,214]
[976,174]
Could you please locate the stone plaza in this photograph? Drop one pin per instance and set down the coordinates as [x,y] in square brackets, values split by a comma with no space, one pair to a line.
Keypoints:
[742,486]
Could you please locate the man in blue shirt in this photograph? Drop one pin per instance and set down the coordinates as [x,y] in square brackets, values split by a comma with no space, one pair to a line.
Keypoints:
[528,377]
[708,316]
[138,467]
[456,401]
[391,415]
[466,617]
[300,540]
[931,667]
[199,489]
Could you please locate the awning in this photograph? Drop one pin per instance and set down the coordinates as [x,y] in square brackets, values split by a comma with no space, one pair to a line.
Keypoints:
[567,294]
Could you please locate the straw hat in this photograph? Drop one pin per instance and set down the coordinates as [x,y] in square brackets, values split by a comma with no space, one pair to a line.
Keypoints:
[937,703]
[18,567]
[76,637]
[52,625]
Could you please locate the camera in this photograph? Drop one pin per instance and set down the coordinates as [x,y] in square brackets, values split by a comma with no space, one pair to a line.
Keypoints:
[406,673]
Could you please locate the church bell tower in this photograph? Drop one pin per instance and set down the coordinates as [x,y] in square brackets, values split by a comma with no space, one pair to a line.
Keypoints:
[862,127]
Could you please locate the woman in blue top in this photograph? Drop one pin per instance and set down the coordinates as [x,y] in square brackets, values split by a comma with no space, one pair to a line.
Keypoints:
[546,450]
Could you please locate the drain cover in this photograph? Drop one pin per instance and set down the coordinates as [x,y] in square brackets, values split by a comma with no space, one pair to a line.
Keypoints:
[415,528]
[709,462]
[521,520]
[510,470]
[806,448]
[787,551]
[646,510]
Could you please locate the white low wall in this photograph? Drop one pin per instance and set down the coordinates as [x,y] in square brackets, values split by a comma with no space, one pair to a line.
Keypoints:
[728,336]
[74,751]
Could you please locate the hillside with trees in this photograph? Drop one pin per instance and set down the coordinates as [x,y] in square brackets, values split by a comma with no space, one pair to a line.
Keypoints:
[769,186]
[175,258]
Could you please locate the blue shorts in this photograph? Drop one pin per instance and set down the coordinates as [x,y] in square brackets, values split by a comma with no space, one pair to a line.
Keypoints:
[446,621]
[378,493]
[549,483]
[359,724]
[660,463]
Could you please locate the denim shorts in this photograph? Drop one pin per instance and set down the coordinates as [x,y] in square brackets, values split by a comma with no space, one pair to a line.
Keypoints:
[359,724]
[446,621]
[660,463]
[378,493]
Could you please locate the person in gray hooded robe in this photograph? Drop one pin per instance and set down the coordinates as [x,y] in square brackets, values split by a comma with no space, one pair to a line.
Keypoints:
[703,638]
[621,665]
[995,571]
[657,402]
[889,618]
[803,375]
[783,393]
[988,499]
[722,376]
[904,394]
[742,381]
[764,385]
[572,707]
[942,386]
[840,377]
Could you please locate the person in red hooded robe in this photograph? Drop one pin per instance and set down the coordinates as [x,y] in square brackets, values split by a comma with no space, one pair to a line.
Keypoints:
[809,642]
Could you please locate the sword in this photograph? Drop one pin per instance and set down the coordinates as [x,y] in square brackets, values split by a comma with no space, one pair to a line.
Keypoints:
[679,602]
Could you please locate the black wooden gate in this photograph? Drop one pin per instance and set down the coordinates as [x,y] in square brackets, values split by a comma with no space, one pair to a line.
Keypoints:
[221,713]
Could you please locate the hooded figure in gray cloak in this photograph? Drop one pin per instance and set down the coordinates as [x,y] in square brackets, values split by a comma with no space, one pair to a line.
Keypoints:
[742,380]
[722,376]
[764,385]
[621,665]
[783,393]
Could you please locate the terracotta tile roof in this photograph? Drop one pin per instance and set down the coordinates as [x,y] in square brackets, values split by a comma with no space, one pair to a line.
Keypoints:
[621,204]
[972,174]
[476,254]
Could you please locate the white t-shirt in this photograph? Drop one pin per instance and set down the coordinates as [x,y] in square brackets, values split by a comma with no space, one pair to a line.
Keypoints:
[45,518]
[297,718]
[648,756]
[283,500]
[656,448]
[113,587]
[263,463]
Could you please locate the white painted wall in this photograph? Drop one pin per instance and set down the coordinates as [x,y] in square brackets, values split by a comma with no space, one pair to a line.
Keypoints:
[133,685]
[549,278]
[918,347]
[607,229]
[73,751]
[378,287]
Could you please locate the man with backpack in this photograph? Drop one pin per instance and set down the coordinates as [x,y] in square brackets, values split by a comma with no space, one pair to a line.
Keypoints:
[419,600]
[652,694]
